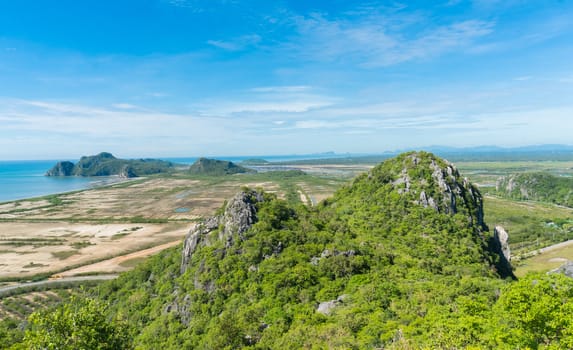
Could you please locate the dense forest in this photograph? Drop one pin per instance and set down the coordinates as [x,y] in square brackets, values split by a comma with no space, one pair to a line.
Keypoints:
[214,167]
[537,186]
[105,164]
[400,258]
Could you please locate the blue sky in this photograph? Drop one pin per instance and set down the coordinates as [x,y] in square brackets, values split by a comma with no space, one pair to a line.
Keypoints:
[157,78]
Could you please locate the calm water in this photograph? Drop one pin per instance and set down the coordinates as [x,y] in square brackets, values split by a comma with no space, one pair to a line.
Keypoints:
[25,179]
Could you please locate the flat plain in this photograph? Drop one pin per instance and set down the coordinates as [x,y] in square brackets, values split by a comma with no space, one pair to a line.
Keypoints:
[110,229]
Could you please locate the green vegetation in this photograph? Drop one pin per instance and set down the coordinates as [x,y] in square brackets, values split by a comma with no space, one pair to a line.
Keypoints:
[63,255]
[549,260]
[78,324]
[82,244]
[537,186]
[214,167]
[35,242]
[105,164]
[398,259]
[18,305]
[33,264]
[531,225]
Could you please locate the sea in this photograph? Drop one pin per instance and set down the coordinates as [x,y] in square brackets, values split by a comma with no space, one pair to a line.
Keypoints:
[21,179]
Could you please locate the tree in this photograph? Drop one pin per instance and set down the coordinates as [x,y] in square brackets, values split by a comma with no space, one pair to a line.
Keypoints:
[536,312]
[79,324]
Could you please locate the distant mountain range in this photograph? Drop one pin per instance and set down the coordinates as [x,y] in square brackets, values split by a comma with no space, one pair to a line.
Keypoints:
[477,153]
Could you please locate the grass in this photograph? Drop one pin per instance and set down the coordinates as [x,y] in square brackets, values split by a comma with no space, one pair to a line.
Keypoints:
[544,262]
[529,224]
[131,263]
[63,255]
[45,275]
[32,264]
[82,244]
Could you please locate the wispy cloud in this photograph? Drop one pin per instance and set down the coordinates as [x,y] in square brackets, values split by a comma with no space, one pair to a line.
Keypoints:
[372,42]
[523,78]
[124,106]
[126,121]
[270,99]
[236,44]
[280,89]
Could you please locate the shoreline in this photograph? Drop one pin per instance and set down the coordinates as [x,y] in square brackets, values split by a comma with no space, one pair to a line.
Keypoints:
[98,182]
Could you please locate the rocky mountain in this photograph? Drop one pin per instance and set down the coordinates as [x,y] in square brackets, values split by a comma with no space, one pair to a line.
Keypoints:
[105,164]
[537,186]
[400,258]
[64,168]
[391,260]
[214,167]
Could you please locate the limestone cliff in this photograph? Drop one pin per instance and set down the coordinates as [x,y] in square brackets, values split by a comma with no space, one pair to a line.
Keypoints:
[64,168]
[417,179]
[239,215]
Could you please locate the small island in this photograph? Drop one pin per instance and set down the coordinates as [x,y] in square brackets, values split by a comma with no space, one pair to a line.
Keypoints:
[214,167]
[105,164]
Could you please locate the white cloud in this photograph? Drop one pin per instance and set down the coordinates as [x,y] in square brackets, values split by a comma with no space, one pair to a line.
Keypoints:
[380,41]
[523,78]
[124,106]
[77,121]
[237,44]
[292,106]
[294,88]
[271,99]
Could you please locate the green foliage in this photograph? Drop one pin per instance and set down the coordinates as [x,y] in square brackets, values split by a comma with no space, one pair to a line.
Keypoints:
[79,324]
[536,312]
[396,275]
[537,186]
[214,167]
[105,164]
[531,225]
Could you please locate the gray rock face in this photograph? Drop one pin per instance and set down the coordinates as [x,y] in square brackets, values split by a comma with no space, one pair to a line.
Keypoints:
[239,215]
[499,244]
[127,172]
[566,269]
[436,184]
[327,307]
[455,192]
[61,169]
[502,237]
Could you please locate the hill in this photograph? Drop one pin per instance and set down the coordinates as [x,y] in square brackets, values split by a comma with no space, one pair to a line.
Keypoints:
[214,167]
[537,186]
[105,164]
[398,259]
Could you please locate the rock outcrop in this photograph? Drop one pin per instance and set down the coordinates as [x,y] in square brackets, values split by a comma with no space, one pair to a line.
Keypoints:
[566,269]
[327,307]
[437,184]
[499,244]
[239,215]
[537,186]
[64,168]
[502,237]
[425,180]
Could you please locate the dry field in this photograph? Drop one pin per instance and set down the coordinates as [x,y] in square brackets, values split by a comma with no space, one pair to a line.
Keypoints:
[102,230]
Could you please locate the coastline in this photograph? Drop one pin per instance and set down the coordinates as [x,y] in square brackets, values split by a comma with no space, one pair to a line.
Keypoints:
[74,184]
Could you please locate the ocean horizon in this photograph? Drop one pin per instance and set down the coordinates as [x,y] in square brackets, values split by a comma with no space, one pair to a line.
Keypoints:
[23,179]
